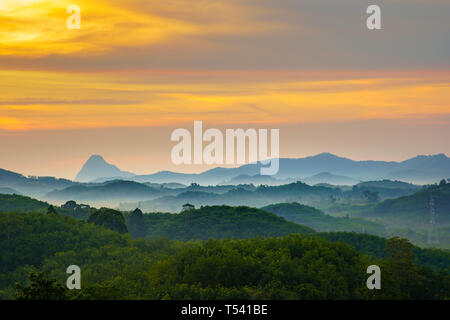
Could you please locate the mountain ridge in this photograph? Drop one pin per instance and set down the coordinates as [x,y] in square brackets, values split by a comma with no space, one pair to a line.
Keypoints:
[96,167]
[420,169]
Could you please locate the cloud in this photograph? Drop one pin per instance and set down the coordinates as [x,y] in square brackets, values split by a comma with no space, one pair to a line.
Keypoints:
[225,35]
[37,28]
[148,99]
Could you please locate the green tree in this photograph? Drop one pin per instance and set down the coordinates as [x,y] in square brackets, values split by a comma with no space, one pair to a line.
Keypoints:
[136,224]
[110,219]
[403,278]
[51,210]
[40,288]
[71,205]
[12,225]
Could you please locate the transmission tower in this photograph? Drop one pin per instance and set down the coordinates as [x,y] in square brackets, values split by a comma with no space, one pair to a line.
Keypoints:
[432,233]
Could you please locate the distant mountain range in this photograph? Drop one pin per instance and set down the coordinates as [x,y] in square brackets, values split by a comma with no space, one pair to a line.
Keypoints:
[11,182]
[327,177]
[408,216]
[321,168]
[96,168]
[324,168]
[317,220]
[105,192]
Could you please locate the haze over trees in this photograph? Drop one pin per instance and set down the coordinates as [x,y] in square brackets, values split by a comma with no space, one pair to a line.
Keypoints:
[285,241]
[115,267]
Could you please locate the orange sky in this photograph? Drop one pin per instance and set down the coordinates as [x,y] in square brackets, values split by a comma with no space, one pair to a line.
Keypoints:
[153,63]
[35,100]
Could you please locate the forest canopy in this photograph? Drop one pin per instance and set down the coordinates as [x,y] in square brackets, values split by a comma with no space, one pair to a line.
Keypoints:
[38,247]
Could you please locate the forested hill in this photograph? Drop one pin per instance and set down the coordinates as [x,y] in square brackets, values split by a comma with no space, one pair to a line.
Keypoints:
[106,192]
[17,203]
[116,267]
[238,196]
[375,247]
[412,210]
[320,221]
[34,186]
[217,222]
[204,223]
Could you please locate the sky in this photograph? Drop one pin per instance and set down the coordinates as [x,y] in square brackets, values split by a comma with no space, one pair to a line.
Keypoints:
[138,69]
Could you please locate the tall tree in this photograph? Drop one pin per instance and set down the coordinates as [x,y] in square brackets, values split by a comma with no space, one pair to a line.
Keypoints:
[51,210]
[110,219]
[40,288]
[404,279]
[136,224]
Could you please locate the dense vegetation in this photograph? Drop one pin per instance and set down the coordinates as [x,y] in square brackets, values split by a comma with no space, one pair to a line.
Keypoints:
[110,219]
[33,186]
[374,246]
[319,221]
[226,253]
[219,222]
[20,203]
[36,249]
[409,216]
[239,195]
[106,192]
[415,206]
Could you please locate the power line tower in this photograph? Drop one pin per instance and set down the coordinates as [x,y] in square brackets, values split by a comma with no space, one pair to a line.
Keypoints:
[433,237]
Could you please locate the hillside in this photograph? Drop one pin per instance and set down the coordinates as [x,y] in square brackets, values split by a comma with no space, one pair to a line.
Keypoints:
[318,196]
[241,195]
[18,203]
[319,221]
[32,186]
[386,189]
[109,192]
[409,216]
[203,223]
[256,180]
[413,209]
[6,190]
[375,247]
[289,267]
[219,222]
[388,184]
[327,177]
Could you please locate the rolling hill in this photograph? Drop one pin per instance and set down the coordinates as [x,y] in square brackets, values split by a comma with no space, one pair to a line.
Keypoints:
[319,221]
[18,203]
[33,186]
[108,192]
[409,216]
[217,222]
[6,190]
[333,179]
[413,209]
[237,196]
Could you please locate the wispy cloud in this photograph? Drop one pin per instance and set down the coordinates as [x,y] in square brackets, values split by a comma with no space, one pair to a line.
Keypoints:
[36,28]
[146,99]
[225,35]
